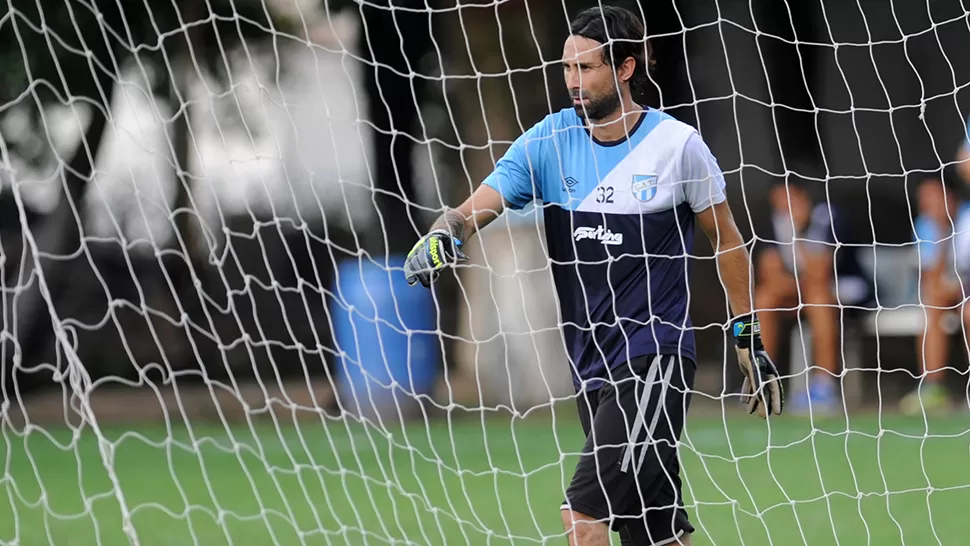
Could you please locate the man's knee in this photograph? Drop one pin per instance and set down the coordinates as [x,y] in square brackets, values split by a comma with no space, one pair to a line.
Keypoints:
[773,290]
[768,266]
[767,297]
[817,290]
[935,295]
[583,529]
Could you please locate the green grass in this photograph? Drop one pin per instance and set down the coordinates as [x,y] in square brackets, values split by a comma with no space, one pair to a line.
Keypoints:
[465,482]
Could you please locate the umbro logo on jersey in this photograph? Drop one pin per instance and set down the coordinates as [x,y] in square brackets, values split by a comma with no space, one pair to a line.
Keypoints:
[598,233]
[569,183]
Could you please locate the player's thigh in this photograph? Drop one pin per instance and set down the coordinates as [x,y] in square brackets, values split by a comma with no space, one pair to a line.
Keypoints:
[940,291]
[778,292]
[666,520]
[657,504]
[632,442]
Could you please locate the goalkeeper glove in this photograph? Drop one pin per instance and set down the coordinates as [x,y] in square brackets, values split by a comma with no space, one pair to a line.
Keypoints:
[430,254]
[762,390]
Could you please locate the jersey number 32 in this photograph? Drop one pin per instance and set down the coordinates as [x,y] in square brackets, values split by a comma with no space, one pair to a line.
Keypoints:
[604,194]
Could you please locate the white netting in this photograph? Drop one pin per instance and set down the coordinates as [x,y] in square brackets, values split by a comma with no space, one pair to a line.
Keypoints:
[225,352]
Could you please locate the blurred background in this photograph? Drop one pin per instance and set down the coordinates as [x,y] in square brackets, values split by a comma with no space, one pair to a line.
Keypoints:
[205,205]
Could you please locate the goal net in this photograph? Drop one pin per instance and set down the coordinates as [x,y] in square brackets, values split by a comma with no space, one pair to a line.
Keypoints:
[207,337]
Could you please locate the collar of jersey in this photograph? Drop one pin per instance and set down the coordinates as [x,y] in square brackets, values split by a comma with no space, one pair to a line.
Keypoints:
[617,142]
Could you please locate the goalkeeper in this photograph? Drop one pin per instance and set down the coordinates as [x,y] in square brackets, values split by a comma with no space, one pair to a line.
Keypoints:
[622,186]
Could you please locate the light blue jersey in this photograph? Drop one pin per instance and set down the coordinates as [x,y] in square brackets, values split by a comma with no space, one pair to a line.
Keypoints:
[619,221]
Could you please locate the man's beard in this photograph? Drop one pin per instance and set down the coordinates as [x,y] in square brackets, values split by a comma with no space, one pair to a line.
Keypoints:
[599,107]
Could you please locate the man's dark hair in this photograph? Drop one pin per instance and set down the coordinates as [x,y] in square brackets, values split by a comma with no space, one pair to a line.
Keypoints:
[623,34]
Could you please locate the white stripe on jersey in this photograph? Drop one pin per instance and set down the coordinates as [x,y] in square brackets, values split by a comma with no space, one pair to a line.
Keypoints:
[658,154]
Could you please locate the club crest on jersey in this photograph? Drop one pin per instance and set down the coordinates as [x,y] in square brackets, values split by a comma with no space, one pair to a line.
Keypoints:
[644,187]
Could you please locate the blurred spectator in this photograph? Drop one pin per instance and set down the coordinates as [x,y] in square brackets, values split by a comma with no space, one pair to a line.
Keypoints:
[963,157]
[941,226]
[798,271]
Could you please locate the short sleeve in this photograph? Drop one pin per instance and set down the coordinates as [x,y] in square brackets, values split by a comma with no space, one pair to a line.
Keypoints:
[517,174]
[701,176]
[929,237]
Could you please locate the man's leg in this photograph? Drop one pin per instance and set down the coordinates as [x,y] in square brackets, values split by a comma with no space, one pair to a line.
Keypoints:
[932,351]
[822,315]
[775,293]
[818,295]
[822,318]
[630,457]
[668,486]
[588,531]
[965,313]
[932,347]
[584,530]
[639,536]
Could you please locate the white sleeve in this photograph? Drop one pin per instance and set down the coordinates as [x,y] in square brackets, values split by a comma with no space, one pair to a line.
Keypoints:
[701,177]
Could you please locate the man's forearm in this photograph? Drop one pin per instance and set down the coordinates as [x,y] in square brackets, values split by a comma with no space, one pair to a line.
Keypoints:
[732,256]
[454,222]
[733,264]
[475,213]
[479,210]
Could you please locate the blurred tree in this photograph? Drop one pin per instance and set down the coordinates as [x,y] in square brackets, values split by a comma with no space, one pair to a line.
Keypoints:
[72,54]
[395,37]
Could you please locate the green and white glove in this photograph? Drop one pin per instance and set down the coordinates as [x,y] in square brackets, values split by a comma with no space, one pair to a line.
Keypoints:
[433,252]
[762,390]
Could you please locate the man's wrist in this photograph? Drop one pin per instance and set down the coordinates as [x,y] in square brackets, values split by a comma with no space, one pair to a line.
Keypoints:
[443,232]
[451,222]
[747,331]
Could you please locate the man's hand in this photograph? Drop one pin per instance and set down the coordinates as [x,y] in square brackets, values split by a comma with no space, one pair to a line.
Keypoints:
[430,254]
[762,390]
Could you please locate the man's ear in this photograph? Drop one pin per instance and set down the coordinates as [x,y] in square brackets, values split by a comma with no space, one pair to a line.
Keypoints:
[624,72]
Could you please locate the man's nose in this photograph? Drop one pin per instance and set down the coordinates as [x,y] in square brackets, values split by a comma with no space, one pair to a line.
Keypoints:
[572,81]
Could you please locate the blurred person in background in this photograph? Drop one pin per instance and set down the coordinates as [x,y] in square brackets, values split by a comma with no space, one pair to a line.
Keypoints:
[963,157]
[796,274]
[941,226]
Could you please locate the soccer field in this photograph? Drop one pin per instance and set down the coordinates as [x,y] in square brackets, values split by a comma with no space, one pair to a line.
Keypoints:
[468,483]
